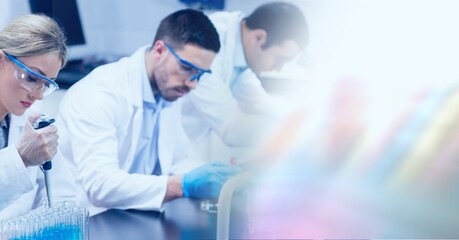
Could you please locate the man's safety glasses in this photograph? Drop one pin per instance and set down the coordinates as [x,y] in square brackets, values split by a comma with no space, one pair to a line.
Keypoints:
[190,69]
[31,80]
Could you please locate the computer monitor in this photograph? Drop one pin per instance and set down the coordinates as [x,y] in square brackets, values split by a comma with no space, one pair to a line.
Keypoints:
[205,4]
[66,13]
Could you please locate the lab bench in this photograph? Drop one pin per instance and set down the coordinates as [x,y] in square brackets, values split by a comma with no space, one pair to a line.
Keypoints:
[181,219]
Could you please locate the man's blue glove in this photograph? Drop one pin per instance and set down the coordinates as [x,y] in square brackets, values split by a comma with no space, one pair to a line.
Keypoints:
[207,180]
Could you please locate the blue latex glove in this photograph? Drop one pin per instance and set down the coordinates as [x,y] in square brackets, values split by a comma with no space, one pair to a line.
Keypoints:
[206,181]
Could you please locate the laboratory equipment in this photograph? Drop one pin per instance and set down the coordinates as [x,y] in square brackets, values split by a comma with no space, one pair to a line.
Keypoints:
[62,221]
[224,202]
[210,206]
[41,122]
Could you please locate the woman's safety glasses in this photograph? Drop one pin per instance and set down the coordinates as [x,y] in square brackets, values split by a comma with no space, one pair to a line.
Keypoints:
[188,68]
[31,80]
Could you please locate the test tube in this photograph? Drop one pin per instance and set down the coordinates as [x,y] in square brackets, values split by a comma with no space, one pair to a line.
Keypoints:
[10,229]
[33,227]
[2,229]
[61,221]
[83,224]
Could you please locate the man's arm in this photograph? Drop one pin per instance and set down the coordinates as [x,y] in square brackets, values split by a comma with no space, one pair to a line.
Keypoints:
[91,128]
[174,188]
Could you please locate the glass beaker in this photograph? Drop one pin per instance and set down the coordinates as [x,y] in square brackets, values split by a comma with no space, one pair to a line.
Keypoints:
[210,206]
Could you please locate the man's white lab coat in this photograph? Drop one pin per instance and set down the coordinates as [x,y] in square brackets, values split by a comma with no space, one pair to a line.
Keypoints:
[100,123]
[226,101]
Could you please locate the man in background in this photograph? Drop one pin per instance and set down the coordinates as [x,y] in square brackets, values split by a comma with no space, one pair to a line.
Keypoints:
[228,100]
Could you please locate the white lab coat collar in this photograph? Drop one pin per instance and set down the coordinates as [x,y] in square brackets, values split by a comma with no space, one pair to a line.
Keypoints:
[227,24]
[15,129]
[147,93]
[137,60]
[239,56]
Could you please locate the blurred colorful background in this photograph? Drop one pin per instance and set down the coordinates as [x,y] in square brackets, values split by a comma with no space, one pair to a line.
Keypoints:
[370,148]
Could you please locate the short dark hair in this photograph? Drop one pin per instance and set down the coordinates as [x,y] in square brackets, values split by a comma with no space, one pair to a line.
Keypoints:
[282,21]
[188,26]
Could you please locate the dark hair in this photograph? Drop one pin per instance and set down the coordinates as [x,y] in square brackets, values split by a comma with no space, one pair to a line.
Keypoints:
[188,26]
[282,21]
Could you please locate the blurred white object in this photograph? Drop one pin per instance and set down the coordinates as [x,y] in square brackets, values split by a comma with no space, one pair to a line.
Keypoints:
[224,202]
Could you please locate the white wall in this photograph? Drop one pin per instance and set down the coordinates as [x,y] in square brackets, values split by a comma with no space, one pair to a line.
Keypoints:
[350,36]
[119,27]
[10,9]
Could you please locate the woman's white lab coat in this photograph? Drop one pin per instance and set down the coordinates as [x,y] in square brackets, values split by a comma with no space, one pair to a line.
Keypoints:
[100,123]
[21,187]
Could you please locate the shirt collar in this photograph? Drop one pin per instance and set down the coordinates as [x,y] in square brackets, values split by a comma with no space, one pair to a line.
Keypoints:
[5,122]
[147,93]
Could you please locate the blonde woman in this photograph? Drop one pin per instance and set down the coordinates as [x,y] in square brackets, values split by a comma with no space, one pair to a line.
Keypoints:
[32,51]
